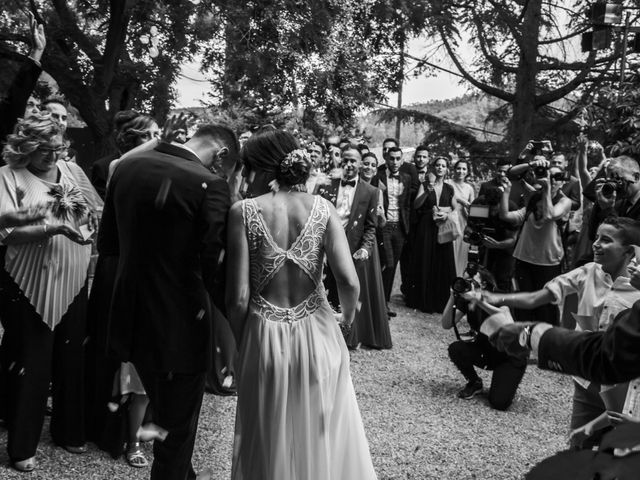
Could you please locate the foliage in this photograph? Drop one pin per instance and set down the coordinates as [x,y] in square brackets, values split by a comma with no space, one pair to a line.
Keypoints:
[95,54]
[615,114]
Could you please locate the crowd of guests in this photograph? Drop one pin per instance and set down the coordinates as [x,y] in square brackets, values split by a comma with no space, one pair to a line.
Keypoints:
[550,239]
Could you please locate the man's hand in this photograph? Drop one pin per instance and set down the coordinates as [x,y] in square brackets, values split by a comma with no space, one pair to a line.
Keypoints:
[361,254]
[172,127]
[510,339]
[38,39]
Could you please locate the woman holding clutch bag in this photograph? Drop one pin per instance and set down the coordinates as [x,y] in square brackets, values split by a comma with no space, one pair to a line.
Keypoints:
[433,262]
[43,294]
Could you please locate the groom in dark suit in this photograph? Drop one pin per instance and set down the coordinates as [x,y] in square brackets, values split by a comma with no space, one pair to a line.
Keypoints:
[165,217]
[356,203]
[398,192]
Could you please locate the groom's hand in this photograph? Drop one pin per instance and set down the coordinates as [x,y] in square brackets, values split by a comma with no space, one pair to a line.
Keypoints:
[514,339]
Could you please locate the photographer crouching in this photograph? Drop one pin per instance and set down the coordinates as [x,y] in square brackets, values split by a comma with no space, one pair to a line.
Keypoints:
[491,239]
[478,352]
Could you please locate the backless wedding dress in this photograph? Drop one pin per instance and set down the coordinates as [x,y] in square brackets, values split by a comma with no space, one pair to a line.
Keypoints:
[297,416]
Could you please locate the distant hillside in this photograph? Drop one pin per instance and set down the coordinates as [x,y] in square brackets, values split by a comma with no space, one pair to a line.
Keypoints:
[466,111]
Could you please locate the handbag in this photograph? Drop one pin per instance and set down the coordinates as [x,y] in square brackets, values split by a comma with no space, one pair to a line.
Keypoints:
[449,230]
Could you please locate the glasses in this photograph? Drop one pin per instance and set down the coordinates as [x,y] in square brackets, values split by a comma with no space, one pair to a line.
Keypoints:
[57,151]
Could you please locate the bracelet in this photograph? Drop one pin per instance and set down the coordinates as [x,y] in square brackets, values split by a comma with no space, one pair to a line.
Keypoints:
[44,229]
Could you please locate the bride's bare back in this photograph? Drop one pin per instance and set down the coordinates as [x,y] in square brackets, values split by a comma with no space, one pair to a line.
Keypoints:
[285,216]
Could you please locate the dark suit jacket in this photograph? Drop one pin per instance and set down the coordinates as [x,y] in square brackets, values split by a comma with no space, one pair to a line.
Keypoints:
[612,356]
[361,228]
[404,201]
[100,173]
[411,170]
[165,217]
[13,105]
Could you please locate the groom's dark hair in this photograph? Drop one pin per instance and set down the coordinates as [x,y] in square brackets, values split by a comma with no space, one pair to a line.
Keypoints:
[221,134]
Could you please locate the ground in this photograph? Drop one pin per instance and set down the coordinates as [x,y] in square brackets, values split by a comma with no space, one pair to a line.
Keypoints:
[417,428]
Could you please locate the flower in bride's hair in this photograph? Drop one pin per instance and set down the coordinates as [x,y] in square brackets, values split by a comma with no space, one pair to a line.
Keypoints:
[296,156]
[274,186]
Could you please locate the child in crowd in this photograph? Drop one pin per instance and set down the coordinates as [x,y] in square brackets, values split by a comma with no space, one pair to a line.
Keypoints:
[603,290]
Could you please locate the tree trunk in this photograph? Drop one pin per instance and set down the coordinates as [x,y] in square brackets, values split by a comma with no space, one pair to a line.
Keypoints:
[524,106]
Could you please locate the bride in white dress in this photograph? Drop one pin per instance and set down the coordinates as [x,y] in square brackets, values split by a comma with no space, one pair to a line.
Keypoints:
[297,416]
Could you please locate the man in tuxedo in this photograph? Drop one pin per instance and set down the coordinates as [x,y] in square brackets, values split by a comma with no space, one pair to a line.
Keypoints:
[397,192]
[421,162]
[165,218]
[356,203]
[409,168]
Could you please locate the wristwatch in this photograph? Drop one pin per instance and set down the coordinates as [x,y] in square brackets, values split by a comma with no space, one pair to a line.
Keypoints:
[525,337]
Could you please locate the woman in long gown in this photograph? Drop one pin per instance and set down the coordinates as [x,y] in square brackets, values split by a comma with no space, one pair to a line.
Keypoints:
[464,196]
[297,415]
[433,262]
[371,326]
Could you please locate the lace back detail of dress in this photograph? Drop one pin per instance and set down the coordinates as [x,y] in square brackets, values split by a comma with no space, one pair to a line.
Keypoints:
[267,257]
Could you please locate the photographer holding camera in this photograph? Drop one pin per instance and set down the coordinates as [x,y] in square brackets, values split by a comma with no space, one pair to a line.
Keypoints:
[615,191]
[539,250]
[492,239]
[466,355]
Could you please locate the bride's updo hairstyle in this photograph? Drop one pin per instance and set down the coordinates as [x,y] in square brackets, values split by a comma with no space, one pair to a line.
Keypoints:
[275,155]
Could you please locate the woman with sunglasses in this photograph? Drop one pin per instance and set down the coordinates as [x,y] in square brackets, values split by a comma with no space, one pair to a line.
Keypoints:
[43,289]
[539,250]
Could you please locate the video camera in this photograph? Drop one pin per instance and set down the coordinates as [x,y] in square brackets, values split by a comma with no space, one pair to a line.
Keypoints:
[478,226]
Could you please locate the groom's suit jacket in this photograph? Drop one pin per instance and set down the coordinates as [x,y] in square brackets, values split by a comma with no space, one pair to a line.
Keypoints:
[165,218]
[361,227]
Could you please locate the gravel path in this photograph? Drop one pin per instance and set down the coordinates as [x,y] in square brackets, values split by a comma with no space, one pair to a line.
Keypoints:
[417,428]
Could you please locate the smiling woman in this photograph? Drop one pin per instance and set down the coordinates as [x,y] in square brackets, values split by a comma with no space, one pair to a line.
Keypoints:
[43,288]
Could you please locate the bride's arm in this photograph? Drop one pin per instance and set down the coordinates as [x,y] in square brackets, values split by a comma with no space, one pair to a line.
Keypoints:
[341,263]
[237,288]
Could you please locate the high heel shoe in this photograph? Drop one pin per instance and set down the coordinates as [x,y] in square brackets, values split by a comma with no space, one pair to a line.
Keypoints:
[27,465]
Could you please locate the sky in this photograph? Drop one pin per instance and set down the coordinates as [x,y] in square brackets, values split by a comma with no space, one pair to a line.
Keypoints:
[193,86]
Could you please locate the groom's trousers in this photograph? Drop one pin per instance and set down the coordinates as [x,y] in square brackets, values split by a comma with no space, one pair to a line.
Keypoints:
[176,399]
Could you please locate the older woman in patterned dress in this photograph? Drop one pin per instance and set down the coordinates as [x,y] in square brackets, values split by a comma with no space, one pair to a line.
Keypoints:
[43,292]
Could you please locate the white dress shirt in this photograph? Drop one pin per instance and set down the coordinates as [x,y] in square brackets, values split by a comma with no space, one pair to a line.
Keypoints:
[394,190]
[344,201]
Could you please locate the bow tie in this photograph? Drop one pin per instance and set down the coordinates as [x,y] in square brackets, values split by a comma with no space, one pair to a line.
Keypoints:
[345,183]
[394,175]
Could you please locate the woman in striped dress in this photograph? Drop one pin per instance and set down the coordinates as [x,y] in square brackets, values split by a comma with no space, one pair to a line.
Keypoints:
[43,289]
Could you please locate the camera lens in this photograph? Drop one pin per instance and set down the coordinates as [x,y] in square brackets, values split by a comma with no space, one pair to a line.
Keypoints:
[608,189]
[540,172]
[460,285]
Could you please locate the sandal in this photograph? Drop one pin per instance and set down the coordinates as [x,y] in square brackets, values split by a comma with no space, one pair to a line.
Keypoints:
[135,456]
[27,465]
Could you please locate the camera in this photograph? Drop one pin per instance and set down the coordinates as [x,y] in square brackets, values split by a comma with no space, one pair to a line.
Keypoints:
[540,171]
[478,225]
[612,186]
[541,147]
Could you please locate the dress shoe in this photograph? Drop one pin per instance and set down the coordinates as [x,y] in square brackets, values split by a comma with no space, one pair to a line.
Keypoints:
[27,465]
[206,474]
[76,449]
[392,314]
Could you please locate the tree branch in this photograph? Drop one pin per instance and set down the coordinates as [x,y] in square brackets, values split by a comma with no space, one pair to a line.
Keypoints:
[493,91]
[555,64]
[493,59]
[116,36]
[566,37]
[69,23]
[560,92]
